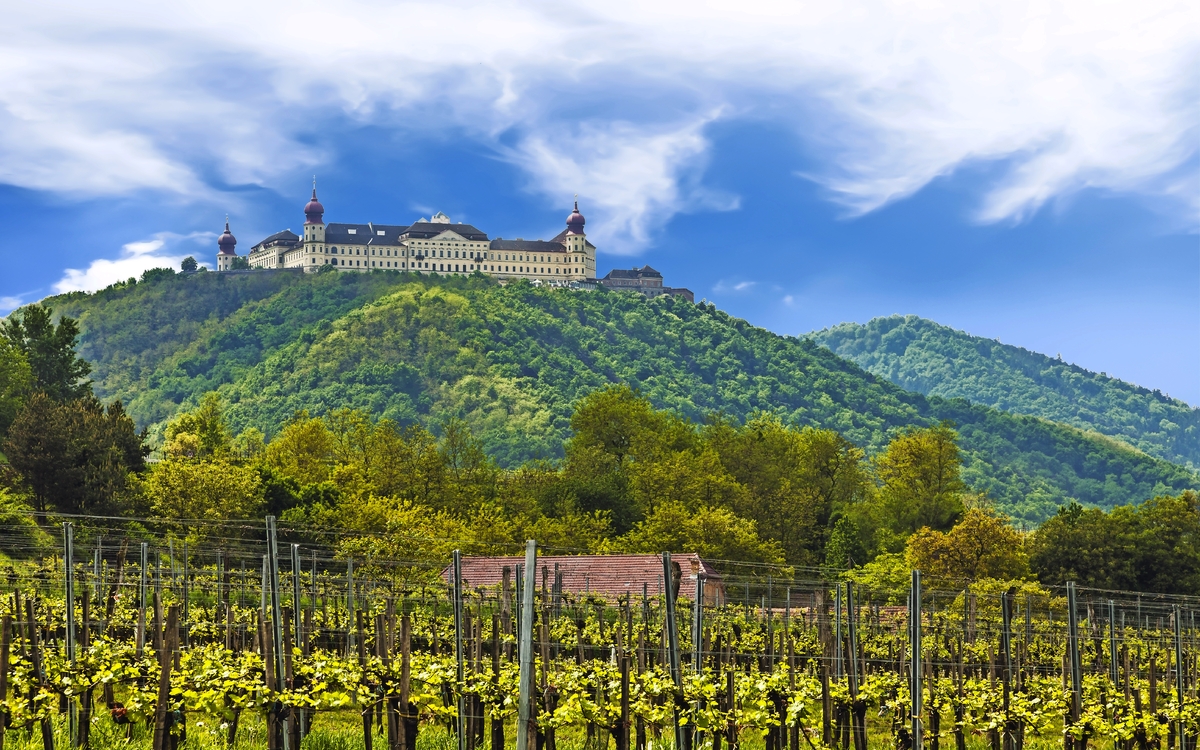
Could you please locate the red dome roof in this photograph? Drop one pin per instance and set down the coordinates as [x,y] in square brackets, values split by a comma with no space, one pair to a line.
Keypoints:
[227,242]
[313,210]
[575,221]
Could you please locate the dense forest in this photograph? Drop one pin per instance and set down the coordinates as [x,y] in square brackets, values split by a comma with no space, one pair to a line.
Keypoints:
[510,363]
[920,355]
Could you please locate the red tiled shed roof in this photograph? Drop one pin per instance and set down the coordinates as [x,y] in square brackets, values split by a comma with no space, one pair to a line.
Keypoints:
[602,575]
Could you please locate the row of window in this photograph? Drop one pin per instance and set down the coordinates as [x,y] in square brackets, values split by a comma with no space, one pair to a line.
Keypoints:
[490,256]
[457,268]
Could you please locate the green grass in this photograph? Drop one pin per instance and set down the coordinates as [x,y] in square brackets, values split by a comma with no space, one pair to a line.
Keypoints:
[343,731]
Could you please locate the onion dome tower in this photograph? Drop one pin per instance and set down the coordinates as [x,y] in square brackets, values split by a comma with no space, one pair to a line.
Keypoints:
[226,251]
[314,225]
[314,212]
[581,258]
[575,221]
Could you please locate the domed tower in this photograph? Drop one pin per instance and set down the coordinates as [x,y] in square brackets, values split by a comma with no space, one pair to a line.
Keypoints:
[580,253]
[226,251]
[314,229]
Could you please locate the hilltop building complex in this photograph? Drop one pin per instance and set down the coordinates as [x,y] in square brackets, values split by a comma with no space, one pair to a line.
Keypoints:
[436,245]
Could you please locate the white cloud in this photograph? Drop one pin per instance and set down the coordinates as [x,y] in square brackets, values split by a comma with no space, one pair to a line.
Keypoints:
[136,258]
[632,177]
[611,99]
[725,286]
[789,300]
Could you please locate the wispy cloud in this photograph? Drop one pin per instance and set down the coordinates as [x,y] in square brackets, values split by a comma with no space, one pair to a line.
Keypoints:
[163,250]
[610,99]
[725,286]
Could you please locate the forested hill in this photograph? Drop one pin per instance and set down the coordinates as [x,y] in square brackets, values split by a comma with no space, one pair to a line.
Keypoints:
[920,355]
[512,360]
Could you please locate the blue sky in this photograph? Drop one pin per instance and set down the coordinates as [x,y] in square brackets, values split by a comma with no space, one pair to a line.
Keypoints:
[1023,173]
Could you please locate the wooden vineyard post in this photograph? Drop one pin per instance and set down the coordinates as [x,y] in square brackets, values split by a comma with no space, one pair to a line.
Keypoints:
[69,580]
[279,664]
[166,659]
[5,635]
[525,649]
[623,737]
[460,677]
[39,673]
[697,641]
[497,724]
[141,623]
[858,708]
[362,663]
[85,702]
[1010,730]
[1075,665]
[914,634]
[300,729]
[408,718]
[1177,617]
[681,734]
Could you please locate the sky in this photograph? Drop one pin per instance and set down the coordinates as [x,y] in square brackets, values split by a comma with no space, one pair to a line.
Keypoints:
[1022,171]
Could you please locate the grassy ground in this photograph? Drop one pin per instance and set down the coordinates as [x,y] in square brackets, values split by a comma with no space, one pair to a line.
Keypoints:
[343,731]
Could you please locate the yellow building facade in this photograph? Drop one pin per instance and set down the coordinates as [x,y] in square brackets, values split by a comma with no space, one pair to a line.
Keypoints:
[434,245]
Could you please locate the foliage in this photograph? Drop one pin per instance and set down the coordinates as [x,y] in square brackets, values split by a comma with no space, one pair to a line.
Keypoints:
[981,545]
[180,488]
[200,433]
[923,356]
[1153,546]
[712,533]
[77,456]
[16,382]
[50,351]
[189,265]
[511,362]
[921,483]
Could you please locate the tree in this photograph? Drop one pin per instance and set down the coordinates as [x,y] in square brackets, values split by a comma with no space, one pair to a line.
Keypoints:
[242,263]
[16,382]
[303,450]
[189,265]
[75,456]
[204,490]
[981,545]
[200,433]
[712,533]
[921,486]
[1154,546]
[50,351]
[795,479]
[845,548]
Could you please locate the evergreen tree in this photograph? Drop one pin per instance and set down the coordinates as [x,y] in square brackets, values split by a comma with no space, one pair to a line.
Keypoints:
[75,457]
[50,351]
[16,383]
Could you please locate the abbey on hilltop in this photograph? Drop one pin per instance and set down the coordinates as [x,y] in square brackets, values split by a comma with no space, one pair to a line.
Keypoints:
[438,245]
[434,245]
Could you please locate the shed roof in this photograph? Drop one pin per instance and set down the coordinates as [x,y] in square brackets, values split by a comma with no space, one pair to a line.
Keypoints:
[602,575]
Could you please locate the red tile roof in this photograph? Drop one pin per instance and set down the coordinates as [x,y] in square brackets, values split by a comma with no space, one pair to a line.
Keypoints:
[601,575]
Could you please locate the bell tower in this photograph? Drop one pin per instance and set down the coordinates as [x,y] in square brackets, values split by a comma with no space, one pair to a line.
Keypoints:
[314,228]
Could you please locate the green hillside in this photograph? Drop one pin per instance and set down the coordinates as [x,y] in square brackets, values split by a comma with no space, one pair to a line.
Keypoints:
[920,355]
[512,360]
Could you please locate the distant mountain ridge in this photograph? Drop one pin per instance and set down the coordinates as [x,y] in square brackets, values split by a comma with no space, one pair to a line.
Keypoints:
[512,360]
[920,355]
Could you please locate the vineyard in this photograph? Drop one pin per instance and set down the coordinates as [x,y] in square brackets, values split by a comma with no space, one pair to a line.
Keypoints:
[266,638]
